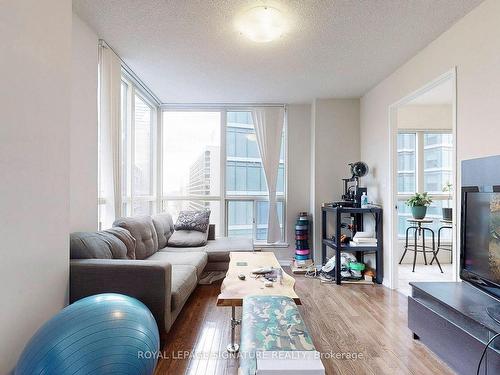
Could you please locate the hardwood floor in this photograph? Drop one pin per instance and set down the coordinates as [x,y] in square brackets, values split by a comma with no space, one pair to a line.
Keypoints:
[370,320]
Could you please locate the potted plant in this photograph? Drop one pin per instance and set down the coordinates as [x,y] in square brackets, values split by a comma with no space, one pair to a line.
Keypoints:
[447,211]
[419,203]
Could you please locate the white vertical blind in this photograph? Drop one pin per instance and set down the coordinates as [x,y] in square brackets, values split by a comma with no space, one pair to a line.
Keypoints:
[109,135]
[268,123]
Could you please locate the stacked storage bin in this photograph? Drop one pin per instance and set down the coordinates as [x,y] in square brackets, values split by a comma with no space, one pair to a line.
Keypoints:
[302,237]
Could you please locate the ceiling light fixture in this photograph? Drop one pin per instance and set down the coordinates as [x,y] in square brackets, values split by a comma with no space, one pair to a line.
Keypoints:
[262,24]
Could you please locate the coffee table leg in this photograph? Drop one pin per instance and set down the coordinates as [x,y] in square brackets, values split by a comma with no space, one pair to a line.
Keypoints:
[233,347]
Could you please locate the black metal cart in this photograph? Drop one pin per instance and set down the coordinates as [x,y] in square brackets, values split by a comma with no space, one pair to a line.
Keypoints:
[358,215]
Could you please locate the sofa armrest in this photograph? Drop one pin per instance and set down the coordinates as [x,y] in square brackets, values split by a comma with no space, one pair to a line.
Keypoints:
[147,280]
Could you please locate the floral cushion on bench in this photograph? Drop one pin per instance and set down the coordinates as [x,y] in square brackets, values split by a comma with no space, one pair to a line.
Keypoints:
[270,323]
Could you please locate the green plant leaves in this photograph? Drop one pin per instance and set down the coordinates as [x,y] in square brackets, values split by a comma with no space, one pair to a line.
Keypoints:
[419,199]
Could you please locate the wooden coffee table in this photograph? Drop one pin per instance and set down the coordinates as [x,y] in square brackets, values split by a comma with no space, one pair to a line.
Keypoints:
[233,290]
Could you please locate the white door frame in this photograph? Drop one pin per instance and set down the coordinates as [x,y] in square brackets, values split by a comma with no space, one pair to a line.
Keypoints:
[393,132]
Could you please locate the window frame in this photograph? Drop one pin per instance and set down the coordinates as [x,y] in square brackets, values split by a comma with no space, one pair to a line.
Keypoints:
[201,198]
[224,198]
[420,162]
[420,165]
[129,198]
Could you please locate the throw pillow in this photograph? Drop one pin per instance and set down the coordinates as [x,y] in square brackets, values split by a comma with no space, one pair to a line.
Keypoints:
[193,220]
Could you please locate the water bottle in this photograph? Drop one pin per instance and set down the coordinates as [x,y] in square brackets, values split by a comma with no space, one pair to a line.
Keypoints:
[364,200]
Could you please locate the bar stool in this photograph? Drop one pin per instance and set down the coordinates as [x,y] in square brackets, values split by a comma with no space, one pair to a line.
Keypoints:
[420,230]
[446,224]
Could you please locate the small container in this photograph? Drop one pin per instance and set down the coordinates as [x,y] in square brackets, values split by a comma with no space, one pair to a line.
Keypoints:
[280,276]
[364,200]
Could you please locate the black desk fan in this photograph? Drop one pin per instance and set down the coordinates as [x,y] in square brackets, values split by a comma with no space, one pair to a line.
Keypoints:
[353,193]
[359,169]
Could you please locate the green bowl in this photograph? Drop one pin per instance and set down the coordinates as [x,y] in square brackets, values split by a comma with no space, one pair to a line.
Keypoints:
[356,266]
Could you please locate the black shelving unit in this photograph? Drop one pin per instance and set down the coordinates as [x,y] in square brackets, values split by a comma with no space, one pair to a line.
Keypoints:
[358,215]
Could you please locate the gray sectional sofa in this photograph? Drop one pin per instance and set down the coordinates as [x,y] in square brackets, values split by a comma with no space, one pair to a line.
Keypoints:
[134,258]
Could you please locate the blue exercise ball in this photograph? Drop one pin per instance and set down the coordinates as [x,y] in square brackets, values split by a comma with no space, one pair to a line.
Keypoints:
[101,334]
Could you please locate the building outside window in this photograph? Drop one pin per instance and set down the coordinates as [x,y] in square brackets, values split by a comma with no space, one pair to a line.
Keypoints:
[192,175]
[246,189]
[434,150]
[406,162]
[195,159]
[191,170]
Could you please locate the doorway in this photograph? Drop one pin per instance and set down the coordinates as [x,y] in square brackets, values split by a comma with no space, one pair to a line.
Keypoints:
[423,160]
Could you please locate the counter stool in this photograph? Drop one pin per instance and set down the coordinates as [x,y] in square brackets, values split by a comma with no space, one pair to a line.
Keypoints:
[446,224]
[416,226]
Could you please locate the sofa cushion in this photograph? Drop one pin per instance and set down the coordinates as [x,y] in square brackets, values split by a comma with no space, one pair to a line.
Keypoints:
[197,259]
[219,249]
[182,250]
[101,245]
[193,220]
[143,230]
[125,237]
[183,283]
[88,245]
[188,238]
[164,226]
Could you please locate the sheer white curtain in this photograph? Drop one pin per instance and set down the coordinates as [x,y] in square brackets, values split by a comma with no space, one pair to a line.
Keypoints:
[109,136]
[268,122]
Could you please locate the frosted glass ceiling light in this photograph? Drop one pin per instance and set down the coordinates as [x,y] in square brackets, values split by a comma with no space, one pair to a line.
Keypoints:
[262,24]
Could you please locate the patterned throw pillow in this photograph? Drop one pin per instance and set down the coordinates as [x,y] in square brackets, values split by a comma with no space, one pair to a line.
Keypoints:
[193,220]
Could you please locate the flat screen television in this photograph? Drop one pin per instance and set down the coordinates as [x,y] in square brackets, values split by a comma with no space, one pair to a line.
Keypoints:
[480,239]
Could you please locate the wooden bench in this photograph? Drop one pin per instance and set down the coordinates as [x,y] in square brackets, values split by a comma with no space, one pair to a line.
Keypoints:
[270,323]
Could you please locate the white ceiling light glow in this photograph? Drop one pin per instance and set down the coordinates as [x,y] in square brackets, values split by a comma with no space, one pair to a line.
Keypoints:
[262,24]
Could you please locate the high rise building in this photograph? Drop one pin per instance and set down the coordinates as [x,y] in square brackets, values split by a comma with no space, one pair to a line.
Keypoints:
[204,177]
[244,178]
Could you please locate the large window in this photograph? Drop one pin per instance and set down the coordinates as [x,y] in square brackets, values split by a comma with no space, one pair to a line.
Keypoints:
[246,189]
[195,159]
[424,164]
[197,172]
[438,150]
[191,155]
[138,151]
[129,186]
[407,153]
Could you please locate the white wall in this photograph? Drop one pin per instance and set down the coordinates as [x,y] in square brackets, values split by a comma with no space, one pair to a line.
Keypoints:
[298,153]
[322,139]
[335,143]
[34,165]
[472,45]
[425,117]
[83,158]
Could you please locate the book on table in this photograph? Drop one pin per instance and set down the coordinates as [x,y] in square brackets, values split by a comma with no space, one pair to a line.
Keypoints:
[364,244]
[364,239]
[364,235]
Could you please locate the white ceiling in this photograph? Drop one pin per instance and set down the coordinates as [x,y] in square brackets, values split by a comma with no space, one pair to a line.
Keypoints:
[188,51]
